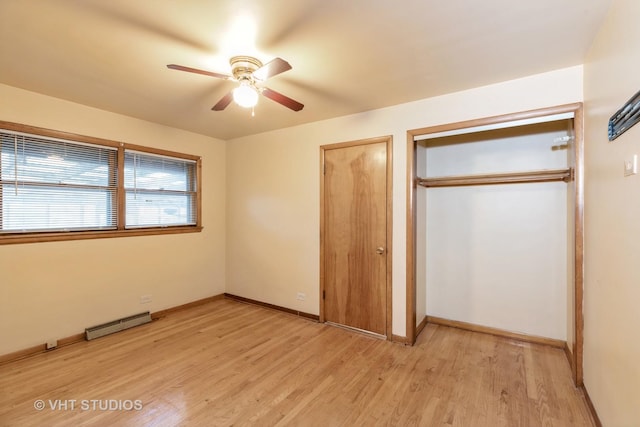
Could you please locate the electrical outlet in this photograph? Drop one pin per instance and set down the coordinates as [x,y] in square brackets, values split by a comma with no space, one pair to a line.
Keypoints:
[631,166]
[51,344]
[146,299]
[301,296]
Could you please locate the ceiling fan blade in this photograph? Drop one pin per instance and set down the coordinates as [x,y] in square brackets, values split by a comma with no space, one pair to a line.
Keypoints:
[271,69]
[281,99]
[224,102]
[197,71]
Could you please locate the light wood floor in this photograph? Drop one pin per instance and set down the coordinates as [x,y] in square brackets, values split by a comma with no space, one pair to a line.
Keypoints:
[229,363]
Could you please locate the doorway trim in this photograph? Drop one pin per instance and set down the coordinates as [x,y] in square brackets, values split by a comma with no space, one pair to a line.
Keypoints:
[389,223]
[575,355]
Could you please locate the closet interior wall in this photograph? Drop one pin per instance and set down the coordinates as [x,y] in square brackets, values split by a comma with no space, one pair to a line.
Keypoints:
[499,256]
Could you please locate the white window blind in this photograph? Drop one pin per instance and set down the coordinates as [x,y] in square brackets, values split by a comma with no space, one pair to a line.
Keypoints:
[49,184]
[160,190]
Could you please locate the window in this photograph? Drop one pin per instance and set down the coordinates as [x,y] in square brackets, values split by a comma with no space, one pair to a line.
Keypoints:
[57,186]
[160,190]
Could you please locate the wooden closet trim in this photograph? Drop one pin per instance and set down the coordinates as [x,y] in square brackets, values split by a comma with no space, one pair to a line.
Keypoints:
[576,358]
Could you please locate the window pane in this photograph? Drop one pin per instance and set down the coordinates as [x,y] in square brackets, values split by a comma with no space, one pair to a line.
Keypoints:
[41,160]
[149,172]
[48,209]
[147,208]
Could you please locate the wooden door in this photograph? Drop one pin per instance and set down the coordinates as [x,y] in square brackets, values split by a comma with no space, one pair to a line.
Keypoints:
[354,243]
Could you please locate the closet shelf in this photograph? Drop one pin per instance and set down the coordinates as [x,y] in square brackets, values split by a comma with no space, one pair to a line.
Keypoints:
[565,175]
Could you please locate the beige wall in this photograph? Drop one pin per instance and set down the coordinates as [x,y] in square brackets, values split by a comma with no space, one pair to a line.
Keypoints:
[268,232]
[56,289]
[273,186]
[612,222]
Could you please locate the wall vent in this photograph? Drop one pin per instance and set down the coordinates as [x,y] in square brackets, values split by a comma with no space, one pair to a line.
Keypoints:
[117,325]
[625,117]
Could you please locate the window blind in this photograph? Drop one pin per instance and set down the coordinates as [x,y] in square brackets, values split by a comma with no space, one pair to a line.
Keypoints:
[48,184]
[160,190]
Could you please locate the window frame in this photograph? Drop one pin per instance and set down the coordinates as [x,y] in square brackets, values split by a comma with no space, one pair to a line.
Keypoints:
[120,230]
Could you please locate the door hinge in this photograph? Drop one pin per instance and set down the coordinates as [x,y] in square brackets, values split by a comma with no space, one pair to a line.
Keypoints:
[324,294]
[324,168]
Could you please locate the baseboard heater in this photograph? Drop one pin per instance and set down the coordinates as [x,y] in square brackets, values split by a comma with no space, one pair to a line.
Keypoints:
[117,325]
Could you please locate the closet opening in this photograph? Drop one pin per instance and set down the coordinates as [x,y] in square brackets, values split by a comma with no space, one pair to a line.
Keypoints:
[495,228]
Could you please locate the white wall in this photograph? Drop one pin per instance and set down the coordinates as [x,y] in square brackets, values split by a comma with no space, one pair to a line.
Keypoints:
[496,255]
[56,289]
[273,186]
[612,224]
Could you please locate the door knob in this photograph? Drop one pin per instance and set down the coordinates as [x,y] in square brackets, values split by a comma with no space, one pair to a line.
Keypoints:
[380,250]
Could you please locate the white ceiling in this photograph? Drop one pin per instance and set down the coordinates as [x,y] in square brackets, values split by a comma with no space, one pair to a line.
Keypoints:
[348,56]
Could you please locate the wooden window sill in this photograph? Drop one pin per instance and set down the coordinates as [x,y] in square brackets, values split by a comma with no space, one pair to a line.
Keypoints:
[16,238]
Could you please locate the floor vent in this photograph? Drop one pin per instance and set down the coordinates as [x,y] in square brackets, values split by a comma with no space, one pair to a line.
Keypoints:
[117,325]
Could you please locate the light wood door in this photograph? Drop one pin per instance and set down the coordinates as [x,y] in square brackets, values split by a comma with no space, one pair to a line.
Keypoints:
[354,244]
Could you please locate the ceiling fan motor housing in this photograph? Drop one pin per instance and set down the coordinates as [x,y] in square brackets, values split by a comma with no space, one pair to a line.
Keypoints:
[243,67]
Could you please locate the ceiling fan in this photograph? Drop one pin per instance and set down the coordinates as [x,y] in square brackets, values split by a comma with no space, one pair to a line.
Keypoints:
[248,72]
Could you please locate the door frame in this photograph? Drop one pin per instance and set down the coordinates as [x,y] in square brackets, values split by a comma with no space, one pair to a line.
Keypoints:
[574,355]
[389,223]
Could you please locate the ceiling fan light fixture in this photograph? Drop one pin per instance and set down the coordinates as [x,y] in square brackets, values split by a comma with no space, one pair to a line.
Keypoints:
[246,70]
[245,95]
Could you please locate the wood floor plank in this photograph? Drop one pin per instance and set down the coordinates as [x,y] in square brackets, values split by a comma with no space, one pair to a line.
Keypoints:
[229,363]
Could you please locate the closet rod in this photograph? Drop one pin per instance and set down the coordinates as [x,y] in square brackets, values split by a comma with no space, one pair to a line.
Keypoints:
[565,175]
